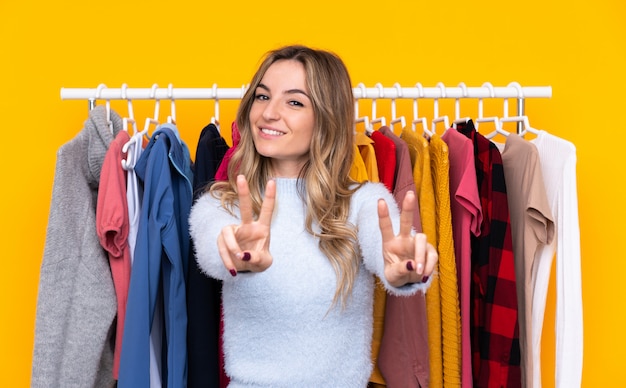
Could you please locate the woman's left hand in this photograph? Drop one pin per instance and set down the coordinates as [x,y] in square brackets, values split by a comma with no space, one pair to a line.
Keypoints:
[408,259]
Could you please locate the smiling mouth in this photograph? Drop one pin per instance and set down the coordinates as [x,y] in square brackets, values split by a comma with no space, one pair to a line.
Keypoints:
[271,132]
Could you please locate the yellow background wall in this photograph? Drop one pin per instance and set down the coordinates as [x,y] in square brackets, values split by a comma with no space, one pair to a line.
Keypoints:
[577,48]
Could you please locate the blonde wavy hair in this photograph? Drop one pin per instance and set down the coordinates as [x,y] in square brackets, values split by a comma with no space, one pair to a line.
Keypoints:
[324,181]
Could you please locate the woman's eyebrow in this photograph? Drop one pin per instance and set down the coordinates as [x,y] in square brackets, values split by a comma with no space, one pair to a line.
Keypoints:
[288,91]
[297,91]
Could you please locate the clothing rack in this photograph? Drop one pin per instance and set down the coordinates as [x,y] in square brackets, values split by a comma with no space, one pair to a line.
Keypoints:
[513,90]
[440,91]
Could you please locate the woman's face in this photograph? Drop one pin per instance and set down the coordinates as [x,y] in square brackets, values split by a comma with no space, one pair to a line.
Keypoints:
[282,117]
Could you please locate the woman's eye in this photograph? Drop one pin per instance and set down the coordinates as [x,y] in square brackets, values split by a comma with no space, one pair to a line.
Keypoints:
[261,97]
[295,103]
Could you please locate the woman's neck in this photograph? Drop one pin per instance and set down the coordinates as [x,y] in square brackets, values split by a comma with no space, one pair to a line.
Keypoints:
[286,169]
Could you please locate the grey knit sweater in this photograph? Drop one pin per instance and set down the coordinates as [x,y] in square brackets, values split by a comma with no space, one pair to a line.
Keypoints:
[76,306]
[279,327]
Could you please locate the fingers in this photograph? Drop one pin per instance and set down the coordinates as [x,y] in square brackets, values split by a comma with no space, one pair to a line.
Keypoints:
[406,216]
[420,252]
[224,251]
[419,263]
[431,259]
[384,221]
[245,202]
[426,256]
[245,246]
[233,257]
[267,208]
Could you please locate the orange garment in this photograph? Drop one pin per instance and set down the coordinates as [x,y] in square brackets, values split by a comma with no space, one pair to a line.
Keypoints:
[425,194]
[448,278]
[368,154]
[357,169]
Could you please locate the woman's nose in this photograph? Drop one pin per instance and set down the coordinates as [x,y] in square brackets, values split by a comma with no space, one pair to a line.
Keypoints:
[271,111]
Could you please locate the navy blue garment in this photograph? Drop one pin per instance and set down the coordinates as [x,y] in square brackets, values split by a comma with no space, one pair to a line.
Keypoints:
[204,293]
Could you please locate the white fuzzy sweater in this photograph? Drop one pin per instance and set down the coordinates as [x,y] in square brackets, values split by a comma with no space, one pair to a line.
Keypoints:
[279,328]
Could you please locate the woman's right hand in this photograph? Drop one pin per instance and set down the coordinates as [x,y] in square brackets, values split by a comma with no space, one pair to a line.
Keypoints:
[245,247]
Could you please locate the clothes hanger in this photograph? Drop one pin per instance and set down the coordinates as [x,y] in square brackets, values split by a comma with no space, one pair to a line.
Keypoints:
[425,131]
[395,120]
[107,106]
[361,119]
[524,126]
[131,115]
[366,122]
[457,108]
[439,119]
[493,119]
[376,120]
[137,138]
[171,119]
[155,119]
[215,119]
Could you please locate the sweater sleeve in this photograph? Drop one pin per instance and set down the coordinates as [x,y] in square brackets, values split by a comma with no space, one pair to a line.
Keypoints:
[365,206]
[206,220]
[569,312]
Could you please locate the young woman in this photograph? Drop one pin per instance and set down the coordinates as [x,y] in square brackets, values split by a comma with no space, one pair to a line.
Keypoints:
[295,241]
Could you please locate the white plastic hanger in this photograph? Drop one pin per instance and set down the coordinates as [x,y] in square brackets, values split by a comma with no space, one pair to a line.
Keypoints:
[457,109]
[137,138]
[493,119]
[107,106]
[376,120]
[216,109]
[498,127]
[416,118]
[438,119]
[395,120]
[525,127]
[131,115]
[155,119]
[361,119]
[171,119]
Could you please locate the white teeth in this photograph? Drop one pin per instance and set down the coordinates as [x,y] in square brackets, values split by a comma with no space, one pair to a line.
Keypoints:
[271,132]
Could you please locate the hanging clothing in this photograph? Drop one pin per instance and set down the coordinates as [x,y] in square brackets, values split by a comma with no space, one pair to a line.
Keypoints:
[134,191]
[532,227]
[134,194]
[112,226]
[222,171]
[221,175]
[448,277]
[368,155]
[358,171]
[384,154]
[76,304]
[420,160]
[495,326]
[204,294]
[385,150]
[279,297]
[558,165]
[467,217]
[160,263]
[403,358]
